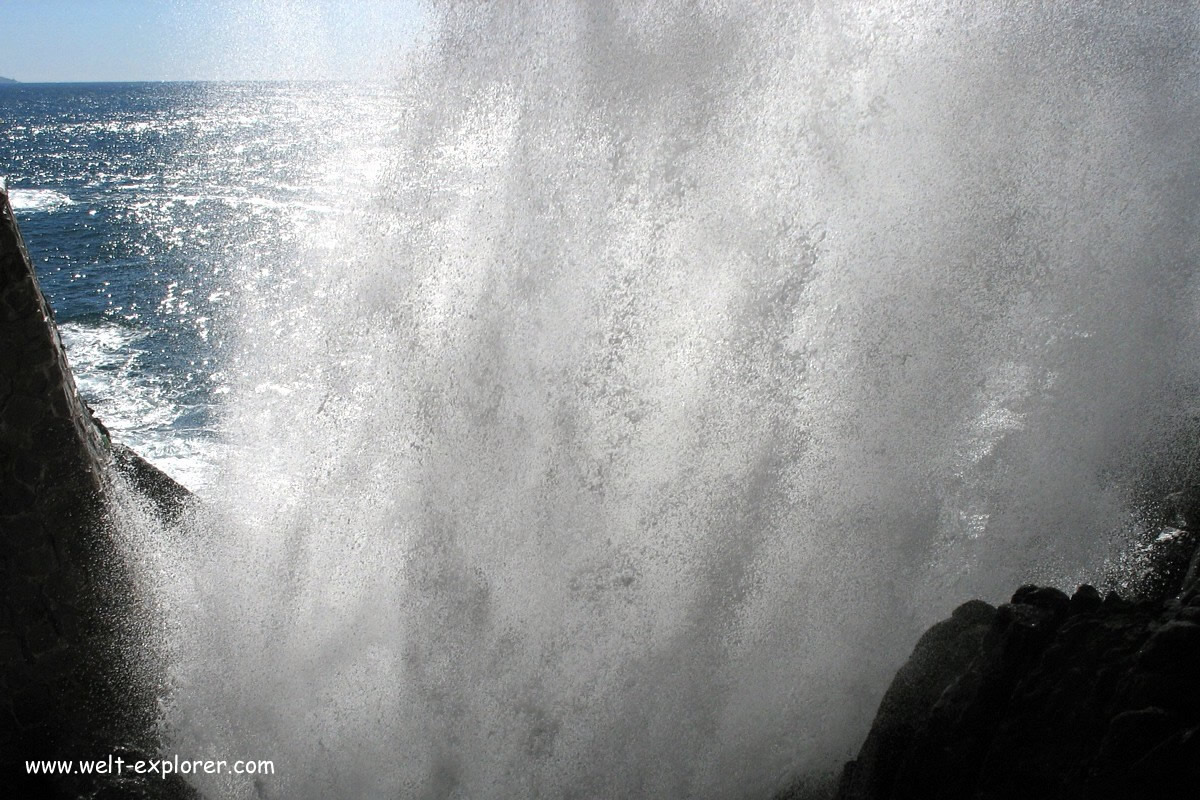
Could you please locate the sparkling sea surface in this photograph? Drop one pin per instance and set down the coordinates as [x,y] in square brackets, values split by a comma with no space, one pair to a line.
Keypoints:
[151,210]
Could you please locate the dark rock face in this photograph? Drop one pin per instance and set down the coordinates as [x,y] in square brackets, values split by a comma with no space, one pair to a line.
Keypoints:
[71,684]
[1046,697]
[940,657]
[167,497]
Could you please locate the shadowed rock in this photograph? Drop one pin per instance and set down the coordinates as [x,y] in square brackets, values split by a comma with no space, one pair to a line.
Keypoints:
[939,658]
[74,682]
[1053,698]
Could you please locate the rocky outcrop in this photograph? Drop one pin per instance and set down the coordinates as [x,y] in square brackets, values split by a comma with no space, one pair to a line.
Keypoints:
[72,681]
[1051,697]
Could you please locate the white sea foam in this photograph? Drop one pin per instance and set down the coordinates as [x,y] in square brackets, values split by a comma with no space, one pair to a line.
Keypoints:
[38,200]
[140,408]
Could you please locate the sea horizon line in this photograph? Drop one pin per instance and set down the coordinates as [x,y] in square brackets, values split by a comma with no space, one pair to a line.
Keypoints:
[14,83]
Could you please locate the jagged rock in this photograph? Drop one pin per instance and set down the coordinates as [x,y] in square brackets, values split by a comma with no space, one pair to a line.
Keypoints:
[1191,578]
[1061,699]
[168,498]
[1168,558]
[1085,599]
[1182,509]
[72,681]
[940,657]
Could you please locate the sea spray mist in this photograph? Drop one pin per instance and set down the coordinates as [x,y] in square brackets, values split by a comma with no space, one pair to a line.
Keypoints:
[687,361]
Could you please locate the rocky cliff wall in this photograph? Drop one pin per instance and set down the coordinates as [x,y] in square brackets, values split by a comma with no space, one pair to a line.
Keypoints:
[1052,697]
[73,680]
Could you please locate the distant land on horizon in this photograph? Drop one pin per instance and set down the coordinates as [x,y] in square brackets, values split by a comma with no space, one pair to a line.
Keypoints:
[7,80]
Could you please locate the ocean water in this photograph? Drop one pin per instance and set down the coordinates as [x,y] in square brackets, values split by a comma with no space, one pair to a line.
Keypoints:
[151,209]
[603,408]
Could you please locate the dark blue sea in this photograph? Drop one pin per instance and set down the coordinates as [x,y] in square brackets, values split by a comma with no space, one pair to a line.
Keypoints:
[148,207]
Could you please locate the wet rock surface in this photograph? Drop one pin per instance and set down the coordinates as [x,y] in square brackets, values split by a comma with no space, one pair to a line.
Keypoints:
[72,682]
[1048,697]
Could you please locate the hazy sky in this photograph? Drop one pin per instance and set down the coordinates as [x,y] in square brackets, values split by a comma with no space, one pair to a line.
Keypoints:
[130,40]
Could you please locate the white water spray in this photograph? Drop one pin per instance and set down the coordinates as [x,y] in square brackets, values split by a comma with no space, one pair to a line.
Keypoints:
[690,359]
